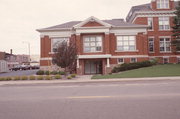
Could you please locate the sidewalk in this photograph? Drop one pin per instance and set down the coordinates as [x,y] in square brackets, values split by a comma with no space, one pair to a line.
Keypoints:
[83,79]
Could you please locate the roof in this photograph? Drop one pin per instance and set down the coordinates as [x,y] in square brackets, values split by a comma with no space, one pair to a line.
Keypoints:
[143,7]
[113,22]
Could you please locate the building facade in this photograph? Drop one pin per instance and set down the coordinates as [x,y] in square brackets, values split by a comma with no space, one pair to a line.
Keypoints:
[102,44]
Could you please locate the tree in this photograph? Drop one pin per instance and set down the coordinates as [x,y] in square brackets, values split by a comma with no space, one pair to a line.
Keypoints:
[176,29]
[66,56]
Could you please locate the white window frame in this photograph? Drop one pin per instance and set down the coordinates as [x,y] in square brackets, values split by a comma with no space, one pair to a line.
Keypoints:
[161,4]
[152,43]
[162,20]
[118,60]
[62,39]
[167,60]
[91,36]
[123,43]
[133,61]
[150,22]
[178,60]
[164,42]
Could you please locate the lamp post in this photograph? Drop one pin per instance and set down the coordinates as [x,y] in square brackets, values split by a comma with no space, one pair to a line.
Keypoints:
[28,49]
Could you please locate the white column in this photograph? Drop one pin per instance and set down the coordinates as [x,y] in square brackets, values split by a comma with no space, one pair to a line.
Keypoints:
[108,62]
[77,63]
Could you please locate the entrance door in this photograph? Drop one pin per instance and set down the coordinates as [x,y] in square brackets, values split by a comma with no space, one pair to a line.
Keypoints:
[93,67]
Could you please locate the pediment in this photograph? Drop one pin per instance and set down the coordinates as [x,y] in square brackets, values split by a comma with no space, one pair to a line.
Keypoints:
[92,22]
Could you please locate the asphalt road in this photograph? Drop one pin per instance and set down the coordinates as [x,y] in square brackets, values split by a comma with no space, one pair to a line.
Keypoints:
[19,73]
[135,100]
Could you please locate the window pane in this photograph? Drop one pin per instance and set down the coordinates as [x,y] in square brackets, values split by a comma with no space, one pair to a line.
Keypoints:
[125,43]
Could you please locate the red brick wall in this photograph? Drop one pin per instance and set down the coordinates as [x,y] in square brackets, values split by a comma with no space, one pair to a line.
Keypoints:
[45,46]
[91,24]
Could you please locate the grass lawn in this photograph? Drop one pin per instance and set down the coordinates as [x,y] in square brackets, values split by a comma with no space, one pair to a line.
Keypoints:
[154,71]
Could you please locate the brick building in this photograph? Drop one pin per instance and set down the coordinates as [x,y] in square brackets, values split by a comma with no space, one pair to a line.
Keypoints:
[102,44]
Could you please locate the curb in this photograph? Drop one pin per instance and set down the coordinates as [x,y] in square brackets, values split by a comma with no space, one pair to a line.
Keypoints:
[5,83]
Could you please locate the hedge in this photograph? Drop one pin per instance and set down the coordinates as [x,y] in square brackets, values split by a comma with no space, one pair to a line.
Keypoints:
[130,66]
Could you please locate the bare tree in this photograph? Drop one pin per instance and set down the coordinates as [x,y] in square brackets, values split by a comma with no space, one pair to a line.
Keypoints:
[66,56]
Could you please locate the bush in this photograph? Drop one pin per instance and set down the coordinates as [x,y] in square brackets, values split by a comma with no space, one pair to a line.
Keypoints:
[54,72]
[24,78]
[40,72]
[73,75]
[40,77]
[58,76]
[48,77]
[32,78]
[8,78]
[17,78]
[2,79]
[47,72]
[62,73]
[69,77]
[130,66]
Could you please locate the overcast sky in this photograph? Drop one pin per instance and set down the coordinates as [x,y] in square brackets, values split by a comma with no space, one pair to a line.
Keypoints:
[19,19]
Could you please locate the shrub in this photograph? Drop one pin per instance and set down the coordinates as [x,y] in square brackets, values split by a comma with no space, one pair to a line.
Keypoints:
[24,78]
[69,77]
[130,66]
[48,77]
[58,76]
[17,78]
[40,72]
[8,78]
[32,78]
[40,77]
[62,73]
[54,72]
[73,75]
[2,79]
[47,72]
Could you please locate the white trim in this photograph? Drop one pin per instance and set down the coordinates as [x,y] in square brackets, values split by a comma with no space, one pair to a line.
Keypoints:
[92,18]
[127,31]
[131,56]
[93,56]
[108,65]
[77,63]
[151,14]
[128,51]
[46,58]
[163,56]
[92,30]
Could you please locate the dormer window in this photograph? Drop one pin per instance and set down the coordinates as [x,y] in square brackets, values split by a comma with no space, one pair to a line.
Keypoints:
[162,4]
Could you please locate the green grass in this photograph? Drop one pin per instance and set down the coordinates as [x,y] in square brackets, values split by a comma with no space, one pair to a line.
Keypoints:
[154,71]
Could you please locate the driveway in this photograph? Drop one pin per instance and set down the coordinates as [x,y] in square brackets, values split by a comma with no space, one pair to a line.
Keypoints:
[19,73]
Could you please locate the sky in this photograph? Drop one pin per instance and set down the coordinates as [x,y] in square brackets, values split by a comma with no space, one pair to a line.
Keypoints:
[19,19]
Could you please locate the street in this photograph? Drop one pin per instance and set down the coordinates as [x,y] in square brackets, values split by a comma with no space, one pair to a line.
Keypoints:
[113,100]
[19,73]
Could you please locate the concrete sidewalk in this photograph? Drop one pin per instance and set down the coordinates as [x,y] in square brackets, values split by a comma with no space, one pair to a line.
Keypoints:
[84,79]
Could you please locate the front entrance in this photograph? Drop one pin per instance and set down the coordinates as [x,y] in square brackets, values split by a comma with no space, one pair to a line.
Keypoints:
[93,67]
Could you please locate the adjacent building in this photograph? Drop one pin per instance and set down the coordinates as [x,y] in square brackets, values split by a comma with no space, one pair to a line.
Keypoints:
[102,44]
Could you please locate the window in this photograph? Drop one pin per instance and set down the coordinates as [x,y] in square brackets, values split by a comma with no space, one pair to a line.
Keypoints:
[150,23]
[178,60]
[93,44]
[120,60]
[162,4]
[126,43]
[56,41]
[165,60]
[133,60]
[164,23]
[165,45]
[151,44]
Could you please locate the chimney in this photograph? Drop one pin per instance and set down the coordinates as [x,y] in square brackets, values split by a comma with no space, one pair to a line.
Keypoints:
[11,51]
